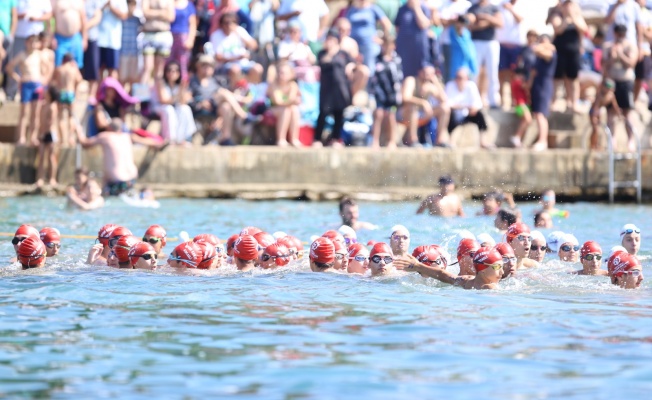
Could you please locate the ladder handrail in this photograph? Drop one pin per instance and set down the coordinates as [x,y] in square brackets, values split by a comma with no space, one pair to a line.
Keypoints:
[610,149]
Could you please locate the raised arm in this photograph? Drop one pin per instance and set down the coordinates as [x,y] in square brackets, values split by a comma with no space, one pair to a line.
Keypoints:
[409,263]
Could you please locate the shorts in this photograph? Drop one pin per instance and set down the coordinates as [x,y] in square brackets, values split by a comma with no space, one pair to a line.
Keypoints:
[50,137]
[109,58]
[71,44]
[30,91]
[568,65]
[519,110]
[509,55]
[129,71]
[624,92]
[66,97]
[643,69]
[158,43]
[91,70]
[117,188]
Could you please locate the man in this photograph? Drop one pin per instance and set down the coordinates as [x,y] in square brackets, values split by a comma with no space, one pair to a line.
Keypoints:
[512,41]
[157,237]
[341,256]
[630,238]
[349,211]
[445,203]
[313,15]
[625,270]
[85,194]
[509,258]
[466,250]
[99,253]
[449,14]
[143,256]
[119,171]
[491,203]
[122,248]
[400,241]
[591,256]
[488,264]
[322,255]
[185,255]
[381,260]
[70,30]
[484,18]
[31,253]
[518,236]
[245,253]
[51,238]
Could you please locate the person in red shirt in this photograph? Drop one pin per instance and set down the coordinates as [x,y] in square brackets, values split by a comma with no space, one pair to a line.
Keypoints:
[520,101]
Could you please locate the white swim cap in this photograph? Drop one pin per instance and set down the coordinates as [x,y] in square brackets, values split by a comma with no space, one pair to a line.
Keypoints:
[629,228]
[616,249]
[486,238]
[569,238]
[279,234]
[347,231]
[555,240]
[398,228]
[537,235]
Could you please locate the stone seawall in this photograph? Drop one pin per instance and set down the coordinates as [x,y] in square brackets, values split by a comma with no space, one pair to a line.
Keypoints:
[270,172]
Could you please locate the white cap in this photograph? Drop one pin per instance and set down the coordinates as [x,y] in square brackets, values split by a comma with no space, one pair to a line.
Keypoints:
[486,238]
[555,240]
[347,231]
[534,235]
[569,238]
[279,234]
[399,228]
[629,227]
[616,249]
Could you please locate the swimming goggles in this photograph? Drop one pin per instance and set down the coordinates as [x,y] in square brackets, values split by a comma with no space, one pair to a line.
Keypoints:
[509,259]
[387,259]
[540,248]
[339,256]
[350,241]
[495,267]
[628,231]
[590,257]
[400,237]
[523,238]
[569,248]
[152,240]
[430,262]
[148,256]
[635,273]
[267,257]
[53,245]
[17,240]
[360,258]
[113,241]
[175,258]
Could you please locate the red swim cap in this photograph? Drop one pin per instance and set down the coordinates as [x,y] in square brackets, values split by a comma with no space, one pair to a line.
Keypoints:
[621,262]
[105,233]
[287,242]
[466,246]
[340,248]
[229,244]
[208,253]
[264,239]
[589,248]
[380,248]
[122,247]
[516,229]
[354,249]
[50,235]
[138,250]
[298,244]
[280,251]
[31,251]
[246,248]
[322,250]
[156,231]
[119,231]
[189,254]
[371,243]
[486,256]
[208,238]
[250,230]
[27,230]
[505,250]
[334,236]
[426,254]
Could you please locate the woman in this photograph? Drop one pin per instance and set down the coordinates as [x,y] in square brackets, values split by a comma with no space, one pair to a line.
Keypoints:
[518,236]
[143,256]
[538,248]
[113,101]
[285,99]
[358,259]
[170,98]
[509,258]
[569,250]
[157,38]
[364,15]
[591,258]
[184,30]
[542,90]
[412,24]
[630,236]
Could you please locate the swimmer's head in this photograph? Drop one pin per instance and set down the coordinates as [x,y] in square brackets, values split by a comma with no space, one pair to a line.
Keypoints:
[341,255]
[569,248]
[185,255]
[209,256]
[591,255]
[52,240]
[554,240]
[105,233]
[143,256]
[334,236]
[381,259]
[548,199]
[122,248]
[22,233]
[229,244]
[429,255]
[400,240]
[630,236]
[349,211]
[116,234]
[518,236]
[246,248]
[466,249]
[490,259]
[538,247]
[542,219]
[264,239]
[250,230]
[358,259]
[275,255]
[505,218]
[207,238]
[156,236]
[626,270]
[349,234]
[491,203]
[31,253]
[322,254]
[486,240]
[446,184]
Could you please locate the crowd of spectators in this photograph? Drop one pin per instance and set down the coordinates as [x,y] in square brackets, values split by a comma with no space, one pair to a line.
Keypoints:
[223,71]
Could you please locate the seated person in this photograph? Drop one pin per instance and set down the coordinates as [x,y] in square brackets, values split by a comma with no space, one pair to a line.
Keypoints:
[285,99]
[232,45]
[170,100]
[298,53]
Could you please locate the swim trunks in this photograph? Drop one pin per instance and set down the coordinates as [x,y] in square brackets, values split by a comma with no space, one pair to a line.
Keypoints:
[69,44]
[49,137]
[66,97]
[117,188]
[30,91]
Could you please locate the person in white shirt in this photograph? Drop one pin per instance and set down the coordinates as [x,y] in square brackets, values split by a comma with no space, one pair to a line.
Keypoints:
[448,15]
[465,103]
[232,45]
[511,39]
[644,66]
[110,37]
[313,15]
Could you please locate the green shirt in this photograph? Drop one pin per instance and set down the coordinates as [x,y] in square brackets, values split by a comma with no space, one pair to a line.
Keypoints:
[5,15]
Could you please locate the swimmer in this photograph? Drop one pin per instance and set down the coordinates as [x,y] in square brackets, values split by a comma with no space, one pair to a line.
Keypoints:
[485,240]
[538,248]
[121,250]
[322,255]
[542,219]
[22,233]
[569,250]
[358,259]
[381,260]
[591,256]
[350,212]
[400,241]
[215,242]
[51,238]
[335,236]
[518,236]
[509,259]
[99,253]
[630,236]
[263,239]
[341,256]
[488,264]
[625,270]
[445,203]
[86,193]
[505,218]
[465,252]
[349,235]
[229,247]
[185,255]
[142,255]
[275,255]
[157,237]
[548,202]
[32,253]
[245,253]
[491,203]
[208,257]
[429,255]
[289,242]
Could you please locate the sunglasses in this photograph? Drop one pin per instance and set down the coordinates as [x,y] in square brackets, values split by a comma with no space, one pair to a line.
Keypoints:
[17,240]
[386,259]
[148,256]
[360,258]
[509,259]
[538,248]
[53,245]
[152,240]
[590,257]
[400,237]
[175,258]
[628,231]
[635,273]
[569,248]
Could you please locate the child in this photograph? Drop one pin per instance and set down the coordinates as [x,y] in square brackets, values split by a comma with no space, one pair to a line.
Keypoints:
[387,86]
[285,98]
[30,78]
[520,102]
[48,137]
[48,57]
[129,72]
[605,97]
[66,79]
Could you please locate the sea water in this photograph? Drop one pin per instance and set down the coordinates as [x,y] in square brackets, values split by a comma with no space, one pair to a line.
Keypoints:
[74,331]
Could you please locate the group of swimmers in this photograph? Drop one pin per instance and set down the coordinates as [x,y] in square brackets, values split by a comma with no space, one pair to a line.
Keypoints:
[482,262]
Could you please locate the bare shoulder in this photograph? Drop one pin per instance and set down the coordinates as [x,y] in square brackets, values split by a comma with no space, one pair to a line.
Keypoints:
[530,263]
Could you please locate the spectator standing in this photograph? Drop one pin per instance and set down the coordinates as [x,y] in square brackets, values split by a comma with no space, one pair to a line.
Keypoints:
[466,105]
[462,51]
[157,38]
[8,23]
[542,88]
[313,15]
[66,78]
[569,27]
[386,84]
[412,24]
[184,29]
[511,40]
[110,39]
[31,15]
[449,14]
[619,60]
[170,100]
[262,13]
[644,66]
[485,18]
[627,13]
[364,16]
[48,149]
[70,30]
[129,70]
[91,70]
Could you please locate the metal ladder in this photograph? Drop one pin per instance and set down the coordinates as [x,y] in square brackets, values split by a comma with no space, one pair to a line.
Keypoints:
[614,157]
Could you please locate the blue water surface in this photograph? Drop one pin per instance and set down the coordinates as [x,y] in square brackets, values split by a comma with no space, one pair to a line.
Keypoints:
[74,331]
